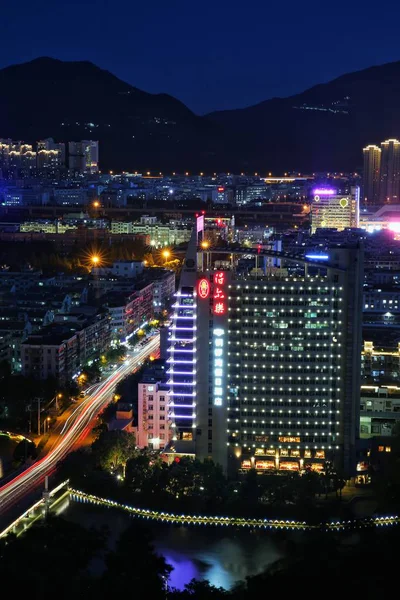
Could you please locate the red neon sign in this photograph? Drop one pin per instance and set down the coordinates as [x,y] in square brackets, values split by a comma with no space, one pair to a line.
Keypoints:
[219,293]
[203,288]
[219,278]
[219,308]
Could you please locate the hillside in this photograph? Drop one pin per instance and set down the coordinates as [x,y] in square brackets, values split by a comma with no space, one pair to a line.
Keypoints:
[323,128]
[78,100]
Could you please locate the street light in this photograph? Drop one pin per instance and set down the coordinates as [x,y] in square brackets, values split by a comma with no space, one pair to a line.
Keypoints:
[96,204]
[95,259]
[205,245]
[166,254]
[46,425]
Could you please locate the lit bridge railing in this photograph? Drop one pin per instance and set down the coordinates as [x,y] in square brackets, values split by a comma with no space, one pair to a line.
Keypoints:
[244,522]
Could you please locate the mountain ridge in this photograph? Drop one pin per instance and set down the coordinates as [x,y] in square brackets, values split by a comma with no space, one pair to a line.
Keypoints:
[322,128]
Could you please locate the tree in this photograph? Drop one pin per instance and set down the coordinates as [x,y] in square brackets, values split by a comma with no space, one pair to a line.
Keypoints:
[134,565]
[199,590]
[113,449]
[115,354]
[48,553]
[91,372]
[24,450]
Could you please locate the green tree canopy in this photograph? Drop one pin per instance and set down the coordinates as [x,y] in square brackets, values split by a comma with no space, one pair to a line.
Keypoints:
[113,449]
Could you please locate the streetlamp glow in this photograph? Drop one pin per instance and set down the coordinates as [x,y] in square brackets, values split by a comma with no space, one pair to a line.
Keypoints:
[95,259]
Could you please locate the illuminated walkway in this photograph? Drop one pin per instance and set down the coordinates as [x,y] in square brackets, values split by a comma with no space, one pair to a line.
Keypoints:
[274,524]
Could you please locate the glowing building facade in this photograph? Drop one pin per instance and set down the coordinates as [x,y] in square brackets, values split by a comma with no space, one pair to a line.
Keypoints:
[331,209]
[389,189]
[372,169]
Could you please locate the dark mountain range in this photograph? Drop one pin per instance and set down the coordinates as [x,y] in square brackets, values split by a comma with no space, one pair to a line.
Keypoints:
[78,100]
[322,128]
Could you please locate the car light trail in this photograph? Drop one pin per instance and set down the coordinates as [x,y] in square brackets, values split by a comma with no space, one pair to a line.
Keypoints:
[76,426]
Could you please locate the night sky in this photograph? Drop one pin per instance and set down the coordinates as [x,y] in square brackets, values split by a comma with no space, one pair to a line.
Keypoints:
[213,54]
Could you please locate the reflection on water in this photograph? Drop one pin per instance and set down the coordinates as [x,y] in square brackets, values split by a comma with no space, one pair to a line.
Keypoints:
[223,556]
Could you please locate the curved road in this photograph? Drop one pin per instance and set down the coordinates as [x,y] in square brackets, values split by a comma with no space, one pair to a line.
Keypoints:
[74,428]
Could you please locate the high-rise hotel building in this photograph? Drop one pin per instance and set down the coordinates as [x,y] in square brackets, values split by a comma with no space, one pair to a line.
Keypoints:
[335,210]
[264,366]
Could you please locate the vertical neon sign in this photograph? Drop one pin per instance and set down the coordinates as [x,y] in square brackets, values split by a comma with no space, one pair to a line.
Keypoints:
[219,342]
[219,293]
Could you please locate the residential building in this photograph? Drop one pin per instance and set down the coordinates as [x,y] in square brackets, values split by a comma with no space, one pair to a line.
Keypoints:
[50,156]
[129,313]
[19,280]
[153,429]
[84,156]
[121,227]
[372,171]
[380,363]
[379,410]
[389,189]
[5,346]
[19,331]
[61,350]
[71,196]
[163,288]
[127,268]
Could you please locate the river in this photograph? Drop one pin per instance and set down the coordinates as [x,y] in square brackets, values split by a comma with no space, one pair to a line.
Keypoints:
[219,555]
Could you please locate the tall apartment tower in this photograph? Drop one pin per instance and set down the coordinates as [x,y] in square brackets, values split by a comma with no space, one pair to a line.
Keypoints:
[265,362]
[372,173]
[50,155]
[84,156]
[390,172]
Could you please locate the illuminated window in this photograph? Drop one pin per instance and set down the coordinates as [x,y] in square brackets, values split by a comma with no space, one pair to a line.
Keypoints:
[388,449]
[381,448]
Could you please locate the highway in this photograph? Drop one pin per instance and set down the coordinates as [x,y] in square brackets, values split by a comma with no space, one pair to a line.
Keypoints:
[74,428]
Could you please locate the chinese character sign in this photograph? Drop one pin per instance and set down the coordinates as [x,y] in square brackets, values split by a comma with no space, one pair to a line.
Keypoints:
[219,293]
[219,278]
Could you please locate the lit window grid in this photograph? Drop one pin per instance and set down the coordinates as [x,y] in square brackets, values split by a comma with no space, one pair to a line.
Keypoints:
[327,418]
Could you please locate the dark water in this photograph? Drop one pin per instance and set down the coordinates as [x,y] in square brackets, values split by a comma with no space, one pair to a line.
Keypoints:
[223,556]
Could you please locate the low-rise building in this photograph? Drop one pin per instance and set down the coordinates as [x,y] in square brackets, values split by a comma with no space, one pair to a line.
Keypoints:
[153,430]
[123,420]
[379,410]
[5,346]
[380,364]
[130,312]
[19,331]
[163,288]
[127,268]
[60,350]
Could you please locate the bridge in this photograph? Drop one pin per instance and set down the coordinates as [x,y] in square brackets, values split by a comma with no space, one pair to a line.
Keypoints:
[38,510]
[49,501]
